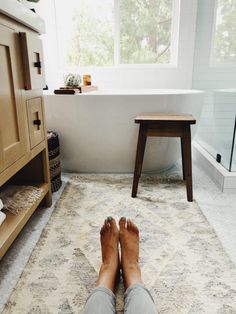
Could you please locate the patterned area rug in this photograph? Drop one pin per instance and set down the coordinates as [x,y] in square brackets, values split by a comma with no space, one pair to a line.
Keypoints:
[183,263]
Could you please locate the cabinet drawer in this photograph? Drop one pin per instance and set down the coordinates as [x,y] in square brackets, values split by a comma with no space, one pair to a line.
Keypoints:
[35,121]
[32,57]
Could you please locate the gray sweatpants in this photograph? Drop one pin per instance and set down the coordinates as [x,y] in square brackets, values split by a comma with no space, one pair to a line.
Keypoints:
[138,300]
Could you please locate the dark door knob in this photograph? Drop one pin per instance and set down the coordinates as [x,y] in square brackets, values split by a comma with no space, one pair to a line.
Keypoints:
[37,64]
[37,122]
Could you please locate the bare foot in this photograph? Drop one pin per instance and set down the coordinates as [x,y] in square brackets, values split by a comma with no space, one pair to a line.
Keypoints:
[110,255]
[129,242]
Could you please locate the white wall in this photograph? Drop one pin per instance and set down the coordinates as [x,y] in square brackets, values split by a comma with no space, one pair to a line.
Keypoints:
[132,76]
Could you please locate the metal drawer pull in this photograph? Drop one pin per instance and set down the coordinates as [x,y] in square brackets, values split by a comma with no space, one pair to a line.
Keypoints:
[38,64]
[37,122]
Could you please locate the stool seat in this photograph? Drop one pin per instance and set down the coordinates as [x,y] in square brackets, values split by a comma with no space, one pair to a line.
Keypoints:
[165,125]
[163,117]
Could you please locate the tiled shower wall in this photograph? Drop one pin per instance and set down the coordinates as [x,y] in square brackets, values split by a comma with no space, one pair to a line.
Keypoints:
[216,126]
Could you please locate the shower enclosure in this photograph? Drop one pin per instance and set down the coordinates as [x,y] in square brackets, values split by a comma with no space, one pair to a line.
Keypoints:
[215,72]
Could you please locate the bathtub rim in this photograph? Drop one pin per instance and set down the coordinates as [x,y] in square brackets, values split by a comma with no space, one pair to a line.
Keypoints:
[132,92]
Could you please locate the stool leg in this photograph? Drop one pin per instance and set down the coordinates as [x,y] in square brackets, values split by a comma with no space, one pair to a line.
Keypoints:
[182,155]
[142,137]
[188,162]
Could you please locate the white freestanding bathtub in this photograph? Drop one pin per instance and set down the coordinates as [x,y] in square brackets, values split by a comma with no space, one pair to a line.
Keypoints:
[97,130]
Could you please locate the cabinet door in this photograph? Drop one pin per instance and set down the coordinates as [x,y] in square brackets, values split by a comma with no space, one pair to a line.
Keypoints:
[35,121]
[32,57]
[13,143]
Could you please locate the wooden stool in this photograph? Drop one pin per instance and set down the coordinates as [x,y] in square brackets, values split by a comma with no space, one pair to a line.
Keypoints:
[165,125]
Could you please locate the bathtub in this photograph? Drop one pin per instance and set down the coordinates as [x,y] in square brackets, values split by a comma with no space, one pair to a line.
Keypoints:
[97,130]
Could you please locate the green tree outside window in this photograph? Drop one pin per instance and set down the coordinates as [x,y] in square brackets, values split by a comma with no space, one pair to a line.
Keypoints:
[144,32]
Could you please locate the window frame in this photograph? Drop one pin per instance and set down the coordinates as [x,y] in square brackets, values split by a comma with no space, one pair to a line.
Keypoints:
[174,48]
[212,62]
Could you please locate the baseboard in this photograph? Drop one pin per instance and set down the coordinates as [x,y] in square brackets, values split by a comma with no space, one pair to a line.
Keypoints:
[225,180]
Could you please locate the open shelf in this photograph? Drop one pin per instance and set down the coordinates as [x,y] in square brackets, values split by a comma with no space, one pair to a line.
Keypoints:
[13,224]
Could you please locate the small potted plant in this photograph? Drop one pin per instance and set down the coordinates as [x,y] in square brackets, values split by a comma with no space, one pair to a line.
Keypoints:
[72,80]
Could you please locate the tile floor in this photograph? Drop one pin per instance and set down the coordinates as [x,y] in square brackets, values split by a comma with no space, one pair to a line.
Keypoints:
[218,207]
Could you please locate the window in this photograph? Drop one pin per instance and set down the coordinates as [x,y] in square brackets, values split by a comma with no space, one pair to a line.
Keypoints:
[224,43]
[113,32]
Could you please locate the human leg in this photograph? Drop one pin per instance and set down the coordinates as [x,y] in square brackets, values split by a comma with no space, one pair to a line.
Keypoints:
[100,301]
[138,299]
[102,298]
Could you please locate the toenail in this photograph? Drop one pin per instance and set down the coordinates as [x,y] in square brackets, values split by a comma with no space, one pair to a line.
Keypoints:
[123,218]
[109,218]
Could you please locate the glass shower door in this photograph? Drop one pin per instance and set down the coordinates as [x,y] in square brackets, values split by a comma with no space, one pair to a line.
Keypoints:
[215,72]
[232,165]
[224,122]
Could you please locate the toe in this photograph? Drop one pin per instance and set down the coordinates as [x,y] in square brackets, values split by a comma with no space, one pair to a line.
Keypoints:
[113,223]
[102,230]
[129,225]
[109,219]
[134,228]
[122,223]
[107,224]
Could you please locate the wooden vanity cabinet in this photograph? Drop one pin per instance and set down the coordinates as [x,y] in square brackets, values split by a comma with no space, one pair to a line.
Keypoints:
[23,141]
[13,141]
[35,121]
[32,51]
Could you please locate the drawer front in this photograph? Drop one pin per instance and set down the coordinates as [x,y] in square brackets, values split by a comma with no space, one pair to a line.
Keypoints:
[35,121]
[32,57]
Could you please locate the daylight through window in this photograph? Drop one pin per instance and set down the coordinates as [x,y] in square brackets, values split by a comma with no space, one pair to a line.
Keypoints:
[113,32]
[224,44]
